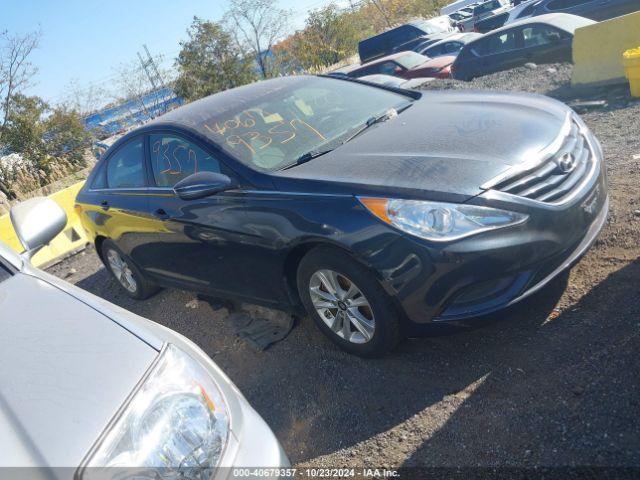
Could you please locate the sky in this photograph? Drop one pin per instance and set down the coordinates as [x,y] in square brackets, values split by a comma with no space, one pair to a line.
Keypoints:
[85,40]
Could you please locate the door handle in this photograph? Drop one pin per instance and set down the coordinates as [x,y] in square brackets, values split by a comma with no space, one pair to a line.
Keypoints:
[104,204]
[161,214]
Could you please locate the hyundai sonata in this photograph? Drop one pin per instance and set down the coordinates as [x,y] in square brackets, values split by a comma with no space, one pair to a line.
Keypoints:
[376,209]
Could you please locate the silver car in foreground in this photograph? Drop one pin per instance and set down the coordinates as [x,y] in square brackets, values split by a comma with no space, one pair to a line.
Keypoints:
[89,390]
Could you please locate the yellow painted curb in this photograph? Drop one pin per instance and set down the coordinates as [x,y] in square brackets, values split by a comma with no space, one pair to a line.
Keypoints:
[71,238]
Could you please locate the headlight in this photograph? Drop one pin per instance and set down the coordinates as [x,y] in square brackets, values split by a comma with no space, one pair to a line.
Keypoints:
[175,426]
[438,221]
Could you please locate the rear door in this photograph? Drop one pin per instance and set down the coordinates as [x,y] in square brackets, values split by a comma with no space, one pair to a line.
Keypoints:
[118,201]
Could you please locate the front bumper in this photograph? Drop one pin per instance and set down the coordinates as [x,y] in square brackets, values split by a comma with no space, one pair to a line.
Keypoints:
[493,270]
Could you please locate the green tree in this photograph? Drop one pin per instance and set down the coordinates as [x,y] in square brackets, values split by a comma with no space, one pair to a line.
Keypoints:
[51,142]
[210,61]
[330,35]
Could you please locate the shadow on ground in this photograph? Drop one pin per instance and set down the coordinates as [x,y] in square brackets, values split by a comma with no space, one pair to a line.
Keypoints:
[524,386]
[562,393]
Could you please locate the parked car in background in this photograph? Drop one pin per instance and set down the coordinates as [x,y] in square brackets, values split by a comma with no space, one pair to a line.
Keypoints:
[389,41]
[379,211]
[449,46]
[541,39]
[459,16]
[480,11]
[594,9]
[521,11]
[455,6]
[396,82]
[90,387]
[422,42]
[405,65]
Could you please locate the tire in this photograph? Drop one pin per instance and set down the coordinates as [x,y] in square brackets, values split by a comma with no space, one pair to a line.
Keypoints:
[127,274]
[373,327]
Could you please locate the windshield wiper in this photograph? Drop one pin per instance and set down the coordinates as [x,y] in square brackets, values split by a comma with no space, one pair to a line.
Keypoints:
[308,156]
[389,114]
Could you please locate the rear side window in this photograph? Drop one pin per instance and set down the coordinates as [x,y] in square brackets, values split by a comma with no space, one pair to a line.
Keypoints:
[540,35]
[174,158]
[126,166]
[495,44]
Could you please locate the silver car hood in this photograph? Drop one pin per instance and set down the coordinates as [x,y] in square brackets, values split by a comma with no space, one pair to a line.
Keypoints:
[65,370]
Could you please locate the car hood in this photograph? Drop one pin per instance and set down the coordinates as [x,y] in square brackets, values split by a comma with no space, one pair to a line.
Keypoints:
[447,144]
[65,370]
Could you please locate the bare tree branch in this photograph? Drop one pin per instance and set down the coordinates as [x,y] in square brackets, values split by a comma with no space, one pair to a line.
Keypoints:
[16,71]
[257,25]
[84,100]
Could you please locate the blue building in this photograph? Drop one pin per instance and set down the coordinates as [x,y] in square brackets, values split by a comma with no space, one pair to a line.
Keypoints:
[114,119]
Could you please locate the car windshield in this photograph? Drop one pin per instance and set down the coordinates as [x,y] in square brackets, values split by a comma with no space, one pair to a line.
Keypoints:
[411,60]
[273,131]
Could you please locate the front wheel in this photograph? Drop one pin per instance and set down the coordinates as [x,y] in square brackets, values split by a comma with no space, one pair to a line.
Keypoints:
[347,303]
[126,272]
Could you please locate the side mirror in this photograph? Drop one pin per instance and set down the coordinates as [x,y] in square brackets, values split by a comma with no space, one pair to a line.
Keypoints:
[37,221]
[202,184]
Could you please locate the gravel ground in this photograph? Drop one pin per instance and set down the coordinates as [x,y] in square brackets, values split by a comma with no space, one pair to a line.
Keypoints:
[551,382]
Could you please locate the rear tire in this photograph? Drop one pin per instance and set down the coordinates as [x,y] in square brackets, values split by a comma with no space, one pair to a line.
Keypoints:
[126,273]
[347,303]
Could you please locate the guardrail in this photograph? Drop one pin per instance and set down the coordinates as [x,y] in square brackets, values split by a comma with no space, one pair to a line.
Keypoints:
[71,239]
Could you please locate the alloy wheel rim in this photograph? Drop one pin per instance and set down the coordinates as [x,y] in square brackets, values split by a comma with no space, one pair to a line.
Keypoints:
[121,270]
[342,306]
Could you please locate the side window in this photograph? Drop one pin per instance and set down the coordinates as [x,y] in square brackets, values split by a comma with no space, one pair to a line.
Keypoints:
[174,158]
[100,179]
[480,48]
[126,166]
[540,35]
[389,68]
[502,43]
[434,51]
[452,47]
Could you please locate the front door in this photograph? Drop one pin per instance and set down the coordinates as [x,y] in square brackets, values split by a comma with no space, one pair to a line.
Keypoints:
[205,244]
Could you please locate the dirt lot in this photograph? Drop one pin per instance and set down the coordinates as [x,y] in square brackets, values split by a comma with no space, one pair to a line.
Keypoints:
[551,382]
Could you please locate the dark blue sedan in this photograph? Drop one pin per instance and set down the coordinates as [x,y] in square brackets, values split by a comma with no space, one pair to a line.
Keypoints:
[374,209]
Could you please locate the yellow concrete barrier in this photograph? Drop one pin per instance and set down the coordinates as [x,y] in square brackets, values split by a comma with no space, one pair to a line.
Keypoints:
[598,48]
[71,238]
[631,61]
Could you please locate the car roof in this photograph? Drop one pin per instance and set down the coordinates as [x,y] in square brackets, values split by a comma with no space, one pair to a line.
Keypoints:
[386,58]
[458,37]
[563,21]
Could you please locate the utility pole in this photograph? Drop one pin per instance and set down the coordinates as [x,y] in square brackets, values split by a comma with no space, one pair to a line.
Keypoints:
[150,68]
[145,66]
[153,65]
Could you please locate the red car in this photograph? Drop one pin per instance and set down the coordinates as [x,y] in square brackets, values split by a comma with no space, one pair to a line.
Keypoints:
[405,65]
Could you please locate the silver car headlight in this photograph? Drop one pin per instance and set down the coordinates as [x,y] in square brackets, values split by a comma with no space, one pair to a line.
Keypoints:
[175,426]
[439,221]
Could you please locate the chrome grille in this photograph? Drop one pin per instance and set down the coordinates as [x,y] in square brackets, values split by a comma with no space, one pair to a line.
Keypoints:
[554,177]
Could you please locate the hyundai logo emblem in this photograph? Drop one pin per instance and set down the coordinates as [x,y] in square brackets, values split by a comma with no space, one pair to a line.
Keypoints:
[567,163]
